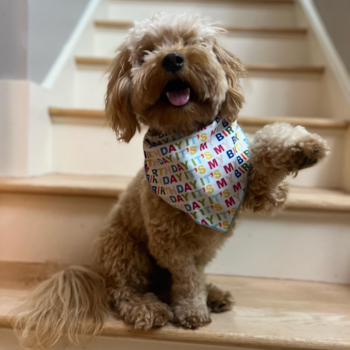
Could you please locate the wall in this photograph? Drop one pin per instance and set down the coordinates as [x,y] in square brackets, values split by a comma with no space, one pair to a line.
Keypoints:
[13,39]
[51,22]
[33,33]
[335,15]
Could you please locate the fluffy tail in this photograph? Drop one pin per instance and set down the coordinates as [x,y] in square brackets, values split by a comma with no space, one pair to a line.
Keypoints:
[72,302]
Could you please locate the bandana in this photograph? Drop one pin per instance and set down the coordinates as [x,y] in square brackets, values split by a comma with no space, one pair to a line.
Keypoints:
[204,173]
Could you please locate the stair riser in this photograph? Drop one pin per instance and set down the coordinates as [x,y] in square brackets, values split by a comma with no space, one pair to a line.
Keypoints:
[248,47]
[93,149]
[9,341]
[240,14]
[292,245]
[273,94]
[266,94]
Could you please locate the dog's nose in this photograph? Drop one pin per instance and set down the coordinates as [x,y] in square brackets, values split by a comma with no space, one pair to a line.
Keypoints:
[173,61]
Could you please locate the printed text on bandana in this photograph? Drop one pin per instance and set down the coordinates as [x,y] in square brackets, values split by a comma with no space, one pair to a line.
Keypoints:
[203,174]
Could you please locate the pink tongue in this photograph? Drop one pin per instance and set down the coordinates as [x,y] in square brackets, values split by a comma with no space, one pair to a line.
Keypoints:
[179,97]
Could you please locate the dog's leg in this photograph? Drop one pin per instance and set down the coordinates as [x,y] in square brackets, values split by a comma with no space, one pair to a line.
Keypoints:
[188,292]
[126,265]
[218,300]
[277,151]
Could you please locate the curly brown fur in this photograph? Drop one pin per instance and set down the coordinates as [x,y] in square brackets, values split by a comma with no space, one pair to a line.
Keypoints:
[279,150]
[71,302]
[218,300]
[137,77]
[145,238]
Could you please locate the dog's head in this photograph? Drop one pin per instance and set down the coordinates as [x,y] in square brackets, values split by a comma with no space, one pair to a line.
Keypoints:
[171,74]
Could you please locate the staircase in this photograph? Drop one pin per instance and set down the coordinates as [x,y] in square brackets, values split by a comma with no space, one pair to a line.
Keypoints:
[56,216]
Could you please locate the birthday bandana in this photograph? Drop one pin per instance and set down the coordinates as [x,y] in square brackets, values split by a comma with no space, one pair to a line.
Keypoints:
[204,173]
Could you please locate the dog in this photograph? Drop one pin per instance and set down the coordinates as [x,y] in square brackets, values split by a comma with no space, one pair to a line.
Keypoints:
[170,74]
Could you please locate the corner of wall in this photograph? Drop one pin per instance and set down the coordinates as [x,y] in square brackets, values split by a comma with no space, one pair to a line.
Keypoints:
[25,129]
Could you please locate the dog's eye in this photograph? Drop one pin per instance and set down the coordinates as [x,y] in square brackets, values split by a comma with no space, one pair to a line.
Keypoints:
[145,53]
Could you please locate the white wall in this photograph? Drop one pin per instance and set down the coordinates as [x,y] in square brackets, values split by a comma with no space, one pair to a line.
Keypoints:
[13,39]
[33,33]
[51,23]
[335,15]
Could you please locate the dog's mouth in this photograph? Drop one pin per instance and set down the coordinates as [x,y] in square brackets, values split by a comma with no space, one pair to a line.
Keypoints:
[177,92]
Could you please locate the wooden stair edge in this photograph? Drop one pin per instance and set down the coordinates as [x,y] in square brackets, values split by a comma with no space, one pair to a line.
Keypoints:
[101,61]
[104,186]
[272,2]
[268,68]
[318,123]
[271,68]
[263,30]
[262,307]
[77,112]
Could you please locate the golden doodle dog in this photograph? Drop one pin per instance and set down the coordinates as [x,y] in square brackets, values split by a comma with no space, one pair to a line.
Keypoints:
[171,75]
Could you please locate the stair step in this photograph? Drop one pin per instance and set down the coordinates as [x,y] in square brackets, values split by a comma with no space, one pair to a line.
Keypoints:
[277,2]
[269,68]
[67,185]
[272,46]
[73,128]
[319,123]
[310,199]
[295,92]
[262,30]
[62,224]
[268,313]
[241,12]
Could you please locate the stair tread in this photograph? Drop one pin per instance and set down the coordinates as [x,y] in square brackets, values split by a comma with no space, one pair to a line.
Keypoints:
[67,185]
[266,30]
[300,198]
[272,68]
[287,2]
[320,123]
[268,313]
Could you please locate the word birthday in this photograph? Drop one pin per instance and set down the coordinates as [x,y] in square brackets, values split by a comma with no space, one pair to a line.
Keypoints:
[203,174]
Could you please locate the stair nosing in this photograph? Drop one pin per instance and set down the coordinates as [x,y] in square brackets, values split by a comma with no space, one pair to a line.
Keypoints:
[265,30]
[243,120]
[104,186]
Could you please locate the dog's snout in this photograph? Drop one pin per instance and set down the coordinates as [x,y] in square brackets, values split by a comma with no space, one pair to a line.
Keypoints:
[173,61]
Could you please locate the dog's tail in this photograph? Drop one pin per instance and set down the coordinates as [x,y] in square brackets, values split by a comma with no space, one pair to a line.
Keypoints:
[72,302]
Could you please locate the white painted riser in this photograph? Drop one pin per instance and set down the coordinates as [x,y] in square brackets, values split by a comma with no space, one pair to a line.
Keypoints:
[293,245]
[229,13]
[248,47]
[273,94]
[93,149]
[266,94]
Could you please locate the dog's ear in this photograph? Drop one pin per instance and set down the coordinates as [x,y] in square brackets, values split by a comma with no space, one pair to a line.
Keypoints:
[234,69]
[119,112]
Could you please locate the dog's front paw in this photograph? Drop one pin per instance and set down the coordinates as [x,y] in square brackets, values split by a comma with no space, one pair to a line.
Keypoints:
[191,315]
[144,313]
[304,149]
[219,300]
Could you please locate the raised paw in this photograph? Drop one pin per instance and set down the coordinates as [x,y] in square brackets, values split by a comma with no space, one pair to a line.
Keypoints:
[287,149]
[219,300]
[190,315]
[144,312]
[304,149]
